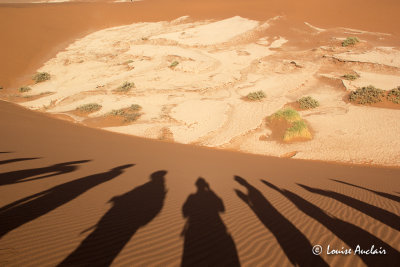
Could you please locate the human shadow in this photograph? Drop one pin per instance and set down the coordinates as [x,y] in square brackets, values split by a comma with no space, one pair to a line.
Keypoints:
[294,244]
[128,213]
[32,207]
[351,234]
[377,213]
[382,194]
[206,240]
[15,160]
[21,176]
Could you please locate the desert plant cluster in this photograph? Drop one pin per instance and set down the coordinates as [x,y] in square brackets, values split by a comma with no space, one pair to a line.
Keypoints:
[129,114]
[308,102]
[296,127]
[41,77]
[24,89]
[351,77]
[256,95]
[350,41]
[125,87]
[394,95]
[174,64]
[367,95]
[88,108]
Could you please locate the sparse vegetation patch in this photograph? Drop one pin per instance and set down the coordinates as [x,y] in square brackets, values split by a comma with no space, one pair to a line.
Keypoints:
[41,77]
[174,64]
[308,102]
[24,89]
[135,107]
[394,95]
[298,129]
[129,114]
[350,41]
[87,108]
[351,77]
[367,95]
[256,95]
[287,114]
[295,127]
[125,87]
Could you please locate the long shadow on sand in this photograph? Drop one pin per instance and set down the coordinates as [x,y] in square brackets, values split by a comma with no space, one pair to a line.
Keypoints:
[382,194]
[53,170]
[207,242]
[129,212]
[15,160]
[377,213]
[32,207]
[295,245]
[351,234]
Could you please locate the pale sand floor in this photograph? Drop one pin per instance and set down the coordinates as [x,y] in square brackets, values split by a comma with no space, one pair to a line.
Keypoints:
[201,100]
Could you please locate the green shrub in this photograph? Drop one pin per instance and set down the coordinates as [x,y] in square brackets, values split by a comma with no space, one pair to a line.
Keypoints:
[129,114]
[117,112]
[128,61]
[41,77]
[367,95]
[256,95]
[130,117]
[174,64]
[135,107]
[308,102]
[394,95]
[288,114]
[1,87]
[351,77]
[298,129]
[24,89]
[295,127]
[350,41]
[125,87]
[91,107]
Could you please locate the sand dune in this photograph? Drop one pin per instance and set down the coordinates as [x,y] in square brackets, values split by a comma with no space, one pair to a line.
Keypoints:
[72,194]
[84,173]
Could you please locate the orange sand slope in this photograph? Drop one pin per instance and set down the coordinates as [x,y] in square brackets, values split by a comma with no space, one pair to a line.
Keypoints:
[73,195]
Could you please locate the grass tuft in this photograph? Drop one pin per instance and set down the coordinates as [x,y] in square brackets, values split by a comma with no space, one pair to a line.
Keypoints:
[295,126]
[308,102]
[24,89]
[91,107]
[135,107]
[350,41]
[125,87]
[41,77]
[366,95]
[256,95]
[129,114]
[130,117]
[394,95]
[174,64]
[298,129]
[351,77]
[287,114]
